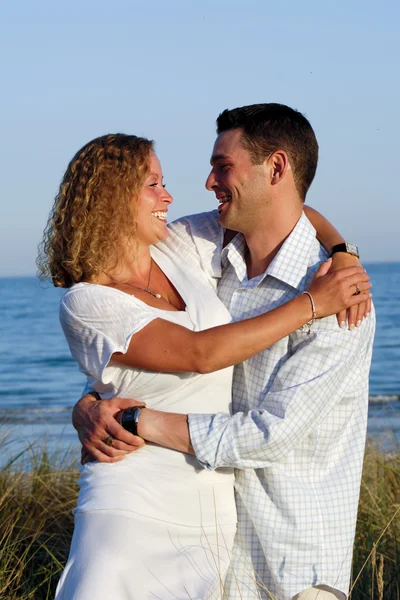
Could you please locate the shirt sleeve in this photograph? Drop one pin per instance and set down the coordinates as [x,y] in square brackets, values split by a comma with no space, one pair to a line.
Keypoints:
[198,240]
[97,322]
[326,367]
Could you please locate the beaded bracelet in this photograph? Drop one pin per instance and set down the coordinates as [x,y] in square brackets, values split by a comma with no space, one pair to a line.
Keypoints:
[308,325]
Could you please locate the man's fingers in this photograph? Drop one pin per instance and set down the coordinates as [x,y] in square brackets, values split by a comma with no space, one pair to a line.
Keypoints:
[122,440]
[95,422]
[128,448]
[121,434]
[124,403]
[104,453]
[90,438]
[85,456]
[105,458]
[94,442]
[103,448]
[111,451]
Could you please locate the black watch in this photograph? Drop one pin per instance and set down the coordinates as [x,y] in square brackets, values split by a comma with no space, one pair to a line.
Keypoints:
[130,418]
[345,247]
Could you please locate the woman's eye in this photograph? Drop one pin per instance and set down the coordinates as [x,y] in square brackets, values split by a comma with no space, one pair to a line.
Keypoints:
[156,184]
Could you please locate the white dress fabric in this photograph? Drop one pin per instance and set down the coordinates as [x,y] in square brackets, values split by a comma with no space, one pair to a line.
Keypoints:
[155,525]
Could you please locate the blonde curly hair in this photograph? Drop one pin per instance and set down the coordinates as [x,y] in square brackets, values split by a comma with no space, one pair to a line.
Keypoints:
[93,212]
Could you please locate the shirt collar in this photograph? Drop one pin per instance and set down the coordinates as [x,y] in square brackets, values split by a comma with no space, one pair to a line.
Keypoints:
[234,253]
[291,263]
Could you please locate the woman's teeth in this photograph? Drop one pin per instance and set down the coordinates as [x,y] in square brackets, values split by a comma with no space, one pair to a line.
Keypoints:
[160,215]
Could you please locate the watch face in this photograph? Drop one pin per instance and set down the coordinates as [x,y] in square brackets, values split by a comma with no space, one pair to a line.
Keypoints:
[351,248]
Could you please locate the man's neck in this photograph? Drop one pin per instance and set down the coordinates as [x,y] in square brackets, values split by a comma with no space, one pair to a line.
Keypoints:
[265,241]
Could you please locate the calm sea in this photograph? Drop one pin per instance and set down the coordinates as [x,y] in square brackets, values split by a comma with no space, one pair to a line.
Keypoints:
[39,381]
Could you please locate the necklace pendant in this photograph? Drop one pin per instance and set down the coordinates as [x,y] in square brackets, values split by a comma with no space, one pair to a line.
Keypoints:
[151,293]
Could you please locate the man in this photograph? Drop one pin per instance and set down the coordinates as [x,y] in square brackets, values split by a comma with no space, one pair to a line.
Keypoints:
[298,430]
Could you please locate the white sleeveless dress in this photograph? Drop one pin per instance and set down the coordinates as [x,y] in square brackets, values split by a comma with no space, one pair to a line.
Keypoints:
[155,525]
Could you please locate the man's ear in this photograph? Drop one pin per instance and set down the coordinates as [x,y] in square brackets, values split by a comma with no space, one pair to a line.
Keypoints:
[278,165]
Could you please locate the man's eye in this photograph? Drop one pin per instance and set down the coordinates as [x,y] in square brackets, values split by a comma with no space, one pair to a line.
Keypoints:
[224,167]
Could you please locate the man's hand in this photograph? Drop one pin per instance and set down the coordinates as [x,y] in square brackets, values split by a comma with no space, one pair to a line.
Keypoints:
[356,313]
[95,421]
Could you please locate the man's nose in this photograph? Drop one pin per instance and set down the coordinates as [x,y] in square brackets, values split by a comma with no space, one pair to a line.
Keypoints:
[210,181]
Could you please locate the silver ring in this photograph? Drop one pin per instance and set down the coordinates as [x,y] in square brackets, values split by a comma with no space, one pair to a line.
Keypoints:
[109,440]
[358,291]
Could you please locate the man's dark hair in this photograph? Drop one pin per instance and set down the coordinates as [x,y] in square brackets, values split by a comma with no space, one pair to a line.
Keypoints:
[271,127]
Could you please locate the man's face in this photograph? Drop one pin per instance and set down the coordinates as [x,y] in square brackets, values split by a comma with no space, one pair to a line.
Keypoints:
[240,186]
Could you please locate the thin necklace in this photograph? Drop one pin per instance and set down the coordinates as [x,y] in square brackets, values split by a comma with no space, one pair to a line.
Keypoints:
[146,289]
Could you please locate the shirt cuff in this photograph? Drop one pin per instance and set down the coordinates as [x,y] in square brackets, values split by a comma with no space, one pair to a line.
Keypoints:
[205,434]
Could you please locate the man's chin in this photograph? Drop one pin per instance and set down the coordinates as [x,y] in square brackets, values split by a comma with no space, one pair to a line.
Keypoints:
[227,223]
[224,220]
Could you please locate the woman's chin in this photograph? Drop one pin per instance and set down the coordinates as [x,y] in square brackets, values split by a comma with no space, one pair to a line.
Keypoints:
[162,234]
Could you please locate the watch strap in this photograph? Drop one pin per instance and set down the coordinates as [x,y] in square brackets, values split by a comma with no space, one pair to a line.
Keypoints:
[347,247]
[130,419]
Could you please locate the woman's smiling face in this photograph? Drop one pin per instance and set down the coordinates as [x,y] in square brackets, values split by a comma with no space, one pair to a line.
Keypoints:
[152,206]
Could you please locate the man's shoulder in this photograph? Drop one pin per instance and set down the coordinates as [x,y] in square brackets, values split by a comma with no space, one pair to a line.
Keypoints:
[299,257]
[204,225]
[197,239]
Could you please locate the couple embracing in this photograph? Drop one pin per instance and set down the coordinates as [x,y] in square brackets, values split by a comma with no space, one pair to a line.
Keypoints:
[223,344]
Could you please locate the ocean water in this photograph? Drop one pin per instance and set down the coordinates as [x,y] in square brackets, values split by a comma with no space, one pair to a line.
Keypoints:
[40,382]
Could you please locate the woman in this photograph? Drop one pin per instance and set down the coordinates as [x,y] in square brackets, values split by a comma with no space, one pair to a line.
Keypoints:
[141,324]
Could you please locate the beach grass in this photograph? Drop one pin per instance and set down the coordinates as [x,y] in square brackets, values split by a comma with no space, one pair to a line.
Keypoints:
[38,492]
[376,562]
[37,495]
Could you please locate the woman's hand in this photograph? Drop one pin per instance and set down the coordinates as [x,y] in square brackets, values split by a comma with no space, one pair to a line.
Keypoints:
[335,291]
[356,313]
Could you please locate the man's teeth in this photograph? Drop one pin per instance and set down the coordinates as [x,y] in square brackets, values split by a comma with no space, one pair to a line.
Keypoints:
[160,214]
[225,199]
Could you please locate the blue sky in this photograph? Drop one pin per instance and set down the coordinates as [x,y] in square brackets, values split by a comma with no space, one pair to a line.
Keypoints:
[71,71]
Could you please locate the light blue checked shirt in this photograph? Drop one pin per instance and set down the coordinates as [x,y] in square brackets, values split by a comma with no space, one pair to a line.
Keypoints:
[299,421]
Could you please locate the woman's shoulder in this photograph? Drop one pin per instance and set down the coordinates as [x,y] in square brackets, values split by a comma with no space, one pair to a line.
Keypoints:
[88,300]
[83,294]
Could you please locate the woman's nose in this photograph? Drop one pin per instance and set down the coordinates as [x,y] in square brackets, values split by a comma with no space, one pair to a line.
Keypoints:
[166,197]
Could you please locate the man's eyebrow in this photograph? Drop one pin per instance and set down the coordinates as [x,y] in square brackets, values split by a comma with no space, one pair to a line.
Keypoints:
[217,157]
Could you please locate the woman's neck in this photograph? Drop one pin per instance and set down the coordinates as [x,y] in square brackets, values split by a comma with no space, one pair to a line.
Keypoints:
[133,267]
